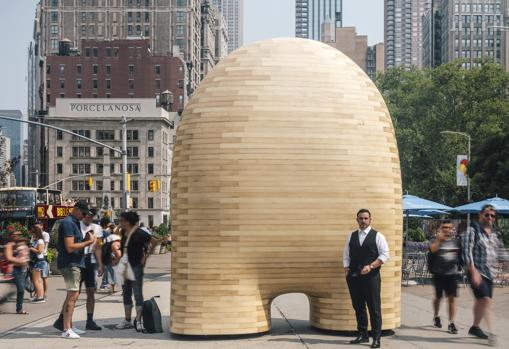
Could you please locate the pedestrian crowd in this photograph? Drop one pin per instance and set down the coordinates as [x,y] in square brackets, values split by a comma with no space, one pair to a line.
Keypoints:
[86,250]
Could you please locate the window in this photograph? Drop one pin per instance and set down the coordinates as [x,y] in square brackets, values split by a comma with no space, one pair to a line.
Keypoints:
[54,30]
[60,135]
[131,69]
[60,152]
[83,30]
[78,69]
[54,3]
[99,151]
[80,186]
[60,186]
[135,186]
[179,30]
[112,188]
[62,83]
[87,51]
[108,69]
[81,152]
[131,84]
[147,16]
[129,17]
[95,69]
[150,169]
[132,135]
[83,16]
[79,84]
[80,168]
[62,69]
[150,203]
[94,84]
[108,51]
[99,168]
[85,133]
[150,135]
[108,84]
[129,30]
[157,84]
[135,202]
[60,168]
[138,17]
[180,16]
[133,168]
[180,3]
[147,31]
[95,52]
[132,152]
[48,69]
[54,17]
[105,135]
[99,187]
[150,151]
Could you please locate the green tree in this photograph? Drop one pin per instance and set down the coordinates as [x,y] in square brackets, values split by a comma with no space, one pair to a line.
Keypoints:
[424,102]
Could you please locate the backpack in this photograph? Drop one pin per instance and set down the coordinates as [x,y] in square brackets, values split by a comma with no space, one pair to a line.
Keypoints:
[151,316]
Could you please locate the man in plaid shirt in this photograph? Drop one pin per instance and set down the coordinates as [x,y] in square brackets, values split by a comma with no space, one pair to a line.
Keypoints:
[481,247]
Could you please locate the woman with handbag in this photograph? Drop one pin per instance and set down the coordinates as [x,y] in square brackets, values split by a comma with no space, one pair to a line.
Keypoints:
[134,249]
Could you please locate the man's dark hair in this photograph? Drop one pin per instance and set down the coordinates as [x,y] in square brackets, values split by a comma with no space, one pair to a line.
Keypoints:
[364,210]
[104,222]
[488,207]
[131,217]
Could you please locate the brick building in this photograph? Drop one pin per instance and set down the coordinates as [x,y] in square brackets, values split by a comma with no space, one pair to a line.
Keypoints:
[114,69]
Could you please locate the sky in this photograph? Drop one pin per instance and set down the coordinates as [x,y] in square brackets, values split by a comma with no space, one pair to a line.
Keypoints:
[262,19]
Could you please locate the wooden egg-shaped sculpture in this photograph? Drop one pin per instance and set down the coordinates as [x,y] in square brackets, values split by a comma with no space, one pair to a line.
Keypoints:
[279,147]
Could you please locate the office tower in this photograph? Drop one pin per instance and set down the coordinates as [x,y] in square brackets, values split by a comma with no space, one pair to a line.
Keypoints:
[403,32]
[14,131]
[233,12]
[311,14]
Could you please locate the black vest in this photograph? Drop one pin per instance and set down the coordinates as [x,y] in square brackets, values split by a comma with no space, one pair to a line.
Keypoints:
[361,256]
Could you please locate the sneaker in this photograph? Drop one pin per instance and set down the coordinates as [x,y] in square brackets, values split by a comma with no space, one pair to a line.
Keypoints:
[138,326]
[45,298]
[70,334]
[78,331]
[38,300]
[476,331]
[436,322]
[492,340]
[91,325]
[452,328]
[59,325]
[124,325]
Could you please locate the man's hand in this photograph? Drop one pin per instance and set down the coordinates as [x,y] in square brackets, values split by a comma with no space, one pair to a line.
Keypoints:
[100,270]
[476,278]
[365,270]
[92,239]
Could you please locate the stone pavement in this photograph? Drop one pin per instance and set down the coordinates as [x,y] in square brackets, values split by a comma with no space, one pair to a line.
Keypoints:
[290,327]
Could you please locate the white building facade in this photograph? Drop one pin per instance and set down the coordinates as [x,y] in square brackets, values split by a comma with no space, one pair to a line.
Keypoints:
[73,161]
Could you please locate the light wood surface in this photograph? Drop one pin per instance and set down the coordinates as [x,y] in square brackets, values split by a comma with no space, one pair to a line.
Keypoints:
[278,148]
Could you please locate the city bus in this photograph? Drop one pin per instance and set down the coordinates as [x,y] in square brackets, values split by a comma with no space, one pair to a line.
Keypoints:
[27,205]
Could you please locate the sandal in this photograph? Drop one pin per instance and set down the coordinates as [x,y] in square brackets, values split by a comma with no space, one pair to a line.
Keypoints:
[21,312]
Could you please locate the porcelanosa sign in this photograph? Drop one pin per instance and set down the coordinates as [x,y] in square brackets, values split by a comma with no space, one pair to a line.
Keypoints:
[106,107]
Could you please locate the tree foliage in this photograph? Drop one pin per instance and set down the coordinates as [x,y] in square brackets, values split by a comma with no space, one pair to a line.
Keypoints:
[425,102]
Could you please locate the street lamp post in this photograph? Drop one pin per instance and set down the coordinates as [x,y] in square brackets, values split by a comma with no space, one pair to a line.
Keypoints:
[467,136]
[122,151]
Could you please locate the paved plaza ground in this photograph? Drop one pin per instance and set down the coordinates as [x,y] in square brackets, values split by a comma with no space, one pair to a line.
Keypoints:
[290,327]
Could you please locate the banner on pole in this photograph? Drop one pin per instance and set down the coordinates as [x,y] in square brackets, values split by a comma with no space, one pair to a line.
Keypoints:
[462,171]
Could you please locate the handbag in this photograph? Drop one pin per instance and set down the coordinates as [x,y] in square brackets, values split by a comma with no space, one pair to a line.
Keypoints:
[123,270]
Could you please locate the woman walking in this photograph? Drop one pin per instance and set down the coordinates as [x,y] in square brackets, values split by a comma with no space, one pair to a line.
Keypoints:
[38,263]
[16,253]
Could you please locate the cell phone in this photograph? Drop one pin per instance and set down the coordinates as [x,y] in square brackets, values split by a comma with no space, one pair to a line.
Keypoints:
[88,235]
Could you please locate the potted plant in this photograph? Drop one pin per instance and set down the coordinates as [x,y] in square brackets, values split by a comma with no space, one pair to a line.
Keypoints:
[52,260]
[160,233]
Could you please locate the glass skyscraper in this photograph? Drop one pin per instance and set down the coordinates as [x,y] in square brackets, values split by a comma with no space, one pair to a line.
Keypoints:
[311,14]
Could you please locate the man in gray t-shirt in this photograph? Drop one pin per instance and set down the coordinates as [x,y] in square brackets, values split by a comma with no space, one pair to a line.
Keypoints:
[443,264]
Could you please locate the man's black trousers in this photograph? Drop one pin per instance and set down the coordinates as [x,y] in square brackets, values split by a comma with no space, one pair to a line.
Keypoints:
[365,290]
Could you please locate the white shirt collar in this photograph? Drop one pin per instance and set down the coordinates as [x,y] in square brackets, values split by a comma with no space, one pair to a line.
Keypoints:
[365,231]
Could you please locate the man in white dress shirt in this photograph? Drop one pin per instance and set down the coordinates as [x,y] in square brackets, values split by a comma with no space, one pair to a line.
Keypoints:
[364,253]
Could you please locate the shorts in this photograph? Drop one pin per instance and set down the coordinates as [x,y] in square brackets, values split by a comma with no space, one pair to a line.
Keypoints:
[88,275]
[447,284]
[44,267]
[72,278]
[484,290]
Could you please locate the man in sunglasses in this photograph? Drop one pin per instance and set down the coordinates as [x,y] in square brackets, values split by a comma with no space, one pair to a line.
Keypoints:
[481,246]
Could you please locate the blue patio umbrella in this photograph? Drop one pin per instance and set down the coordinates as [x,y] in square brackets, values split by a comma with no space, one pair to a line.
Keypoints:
[501,205]
[416,206]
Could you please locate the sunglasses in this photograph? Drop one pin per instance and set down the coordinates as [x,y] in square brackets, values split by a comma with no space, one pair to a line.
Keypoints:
[487,215]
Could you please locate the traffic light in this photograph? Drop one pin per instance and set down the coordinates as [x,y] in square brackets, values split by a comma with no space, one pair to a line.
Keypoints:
[152,186]
[128,182]
[158,184]
[90,182]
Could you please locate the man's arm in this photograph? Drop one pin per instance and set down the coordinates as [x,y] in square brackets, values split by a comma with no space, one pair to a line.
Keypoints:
[346,254]
[9,256]
[383,254]
[71,246]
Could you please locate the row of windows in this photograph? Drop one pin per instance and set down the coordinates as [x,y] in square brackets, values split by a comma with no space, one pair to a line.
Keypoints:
[107,135]
[98,185]
[107,95]
[95,84]
[95,69]
[84,152]
[86,168]
[466,7]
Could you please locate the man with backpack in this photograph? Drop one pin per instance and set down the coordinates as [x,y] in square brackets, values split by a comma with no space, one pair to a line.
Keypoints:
[443,259]
[481,248]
